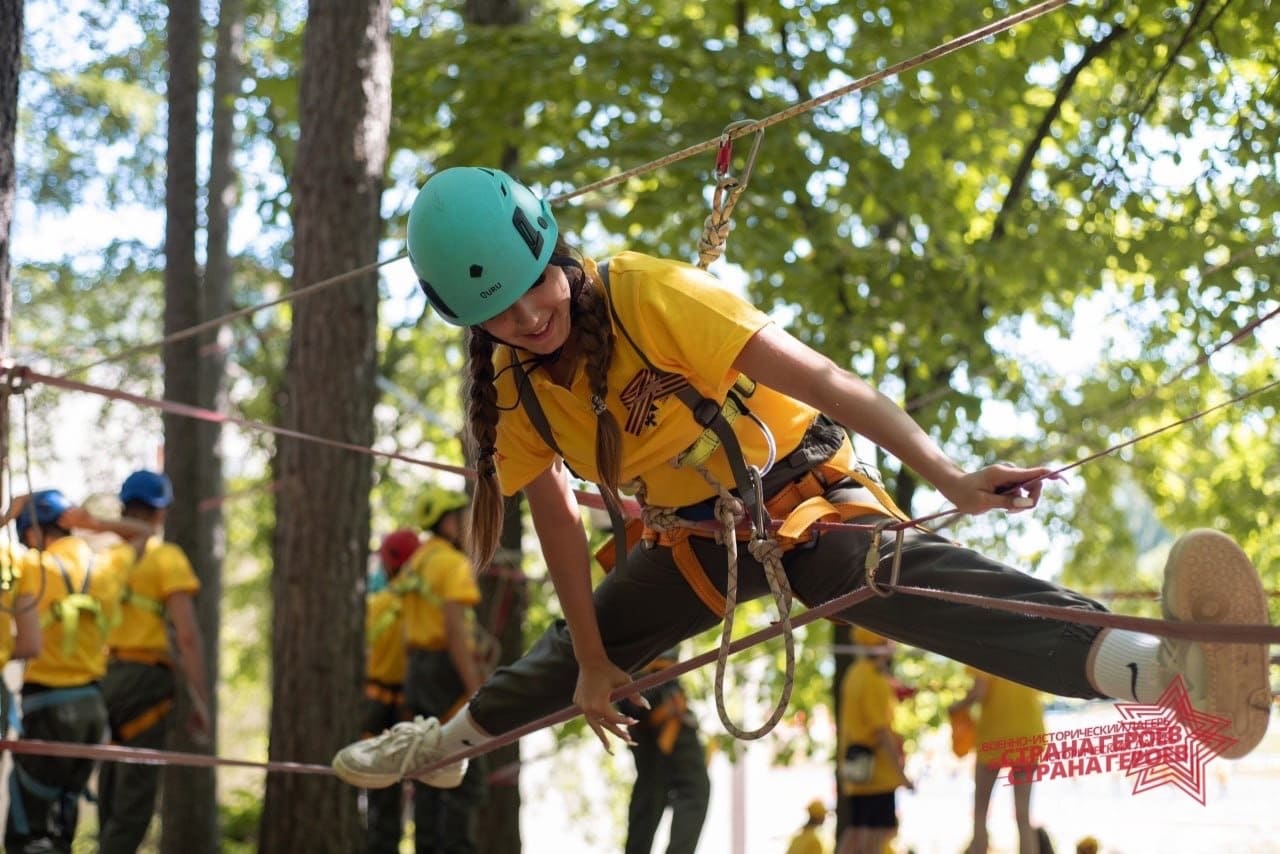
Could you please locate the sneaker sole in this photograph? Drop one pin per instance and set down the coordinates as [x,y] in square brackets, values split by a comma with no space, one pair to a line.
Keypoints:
[441,780]
[357,778]
[363,780]
[1209,579]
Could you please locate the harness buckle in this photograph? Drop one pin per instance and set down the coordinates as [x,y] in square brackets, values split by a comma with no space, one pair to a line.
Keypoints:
[705,412]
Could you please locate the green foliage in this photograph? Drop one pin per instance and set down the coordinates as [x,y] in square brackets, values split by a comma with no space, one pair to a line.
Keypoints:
[239,818]
[1106,172]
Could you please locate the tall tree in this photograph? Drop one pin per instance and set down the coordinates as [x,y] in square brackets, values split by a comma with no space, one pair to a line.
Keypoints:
[193,787]
[192,800]
[10,71]
[322,506]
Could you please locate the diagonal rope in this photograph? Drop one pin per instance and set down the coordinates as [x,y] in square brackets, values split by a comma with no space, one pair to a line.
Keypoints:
[18,378]
[191,331]
[202,414]
[947,47]
[737,130]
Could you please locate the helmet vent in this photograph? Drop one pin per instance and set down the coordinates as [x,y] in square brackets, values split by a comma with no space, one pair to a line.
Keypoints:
[476,271]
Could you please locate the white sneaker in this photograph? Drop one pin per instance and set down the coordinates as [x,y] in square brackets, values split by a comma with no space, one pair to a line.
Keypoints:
[386,759]
[1209,579]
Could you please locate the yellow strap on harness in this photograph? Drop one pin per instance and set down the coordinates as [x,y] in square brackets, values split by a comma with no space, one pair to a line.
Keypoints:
[706,444]
[68,612]
[143,722]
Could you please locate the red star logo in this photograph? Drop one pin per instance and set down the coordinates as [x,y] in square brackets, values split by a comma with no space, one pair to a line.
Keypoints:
[1201,734]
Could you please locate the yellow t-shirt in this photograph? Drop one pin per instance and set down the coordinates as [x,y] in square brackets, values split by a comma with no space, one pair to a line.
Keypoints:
[807,841]
[435,574]
[146,585]
[686,323]
[867,703]
[385,659]
[1009,710]
[10,563]
[83,656]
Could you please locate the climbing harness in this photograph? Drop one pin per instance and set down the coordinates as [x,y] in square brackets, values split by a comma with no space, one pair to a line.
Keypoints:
[67,611]
[800,504]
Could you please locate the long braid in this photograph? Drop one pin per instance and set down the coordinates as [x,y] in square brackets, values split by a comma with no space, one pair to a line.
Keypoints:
[596,338]
[482,419]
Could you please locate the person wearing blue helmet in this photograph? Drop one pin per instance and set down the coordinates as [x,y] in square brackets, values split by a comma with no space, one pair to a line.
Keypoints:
[73,594]
[646,375]
[158,591]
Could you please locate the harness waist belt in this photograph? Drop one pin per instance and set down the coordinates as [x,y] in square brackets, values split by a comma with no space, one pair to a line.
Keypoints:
[388,695]
[799,504]
[140,655]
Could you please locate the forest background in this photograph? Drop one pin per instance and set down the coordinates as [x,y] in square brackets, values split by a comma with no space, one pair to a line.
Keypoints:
[1043,245]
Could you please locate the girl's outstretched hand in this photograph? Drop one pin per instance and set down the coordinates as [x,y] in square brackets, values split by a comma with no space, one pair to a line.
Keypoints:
[595,683]
[998,487]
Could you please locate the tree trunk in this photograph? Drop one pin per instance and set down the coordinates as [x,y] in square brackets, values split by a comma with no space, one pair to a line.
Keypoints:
[322,505]
[182,311]
[10,68]
[502,609]
[191,794]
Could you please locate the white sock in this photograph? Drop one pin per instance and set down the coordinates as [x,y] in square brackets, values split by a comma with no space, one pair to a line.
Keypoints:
[1123,666]
[460,732]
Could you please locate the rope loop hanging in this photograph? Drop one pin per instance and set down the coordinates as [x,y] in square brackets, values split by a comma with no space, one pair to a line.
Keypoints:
[715,229]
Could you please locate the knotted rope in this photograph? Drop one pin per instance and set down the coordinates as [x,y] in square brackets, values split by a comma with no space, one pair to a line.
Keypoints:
[764,548]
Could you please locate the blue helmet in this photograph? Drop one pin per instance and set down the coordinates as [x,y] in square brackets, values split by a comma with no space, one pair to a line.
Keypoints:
[47,506]
[151,488]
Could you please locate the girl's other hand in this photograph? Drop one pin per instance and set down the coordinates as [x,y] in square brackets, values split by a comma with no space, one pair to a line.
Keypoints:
[999,487]
[595,684]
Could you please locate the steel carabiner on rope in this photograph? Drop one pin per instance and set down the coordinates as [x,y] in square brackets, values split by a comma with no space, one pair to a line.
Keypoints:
[724,154]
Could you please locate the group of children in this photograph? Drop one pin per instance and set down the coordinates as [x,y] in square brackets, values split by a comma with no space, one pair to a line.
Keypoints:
[423,657]
[93,629]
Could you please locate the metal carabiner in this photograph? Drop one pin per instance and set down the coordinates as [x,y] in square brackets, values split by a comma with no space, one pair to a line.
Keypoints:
[759,518]
[724,155]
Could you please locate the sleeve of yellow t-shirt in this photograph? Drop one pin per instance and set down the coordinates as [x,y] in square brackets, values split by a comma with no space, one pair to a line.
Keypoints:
[685,320]
[176,573]
[452,578]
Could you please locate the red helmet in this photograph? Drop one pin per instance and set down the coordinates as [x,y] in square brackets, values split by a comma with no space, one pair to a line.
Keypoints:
[397,547]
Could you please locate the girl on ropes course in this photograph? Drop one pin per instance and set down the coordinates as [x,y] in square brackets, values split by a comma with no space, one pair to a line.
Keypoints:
[646,376]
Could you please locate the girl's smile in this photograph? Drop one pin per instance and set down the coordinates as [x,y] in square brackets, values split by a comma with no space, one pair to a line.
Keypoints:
[539,320]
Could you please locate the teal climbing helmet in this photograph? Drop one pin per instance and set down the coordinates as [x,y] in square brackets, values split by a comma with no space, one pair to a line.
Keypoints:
[478,240]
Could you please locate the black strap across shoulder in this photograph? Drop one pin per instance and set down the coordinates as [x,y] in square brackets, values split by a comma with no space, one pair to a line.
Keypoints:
[706,412]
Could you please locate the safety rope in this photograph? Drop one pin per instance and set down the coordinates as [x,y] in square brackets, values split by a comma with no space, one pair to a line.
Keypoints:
[192,331]
[791,112]
[765,549]
[716,227]
[202,414]
[735,131]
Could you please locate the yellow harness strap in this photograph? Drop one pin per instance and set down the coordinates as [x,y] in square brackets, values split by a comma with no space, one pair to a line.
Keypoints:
[667,718]
[143,722]
[691,568]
